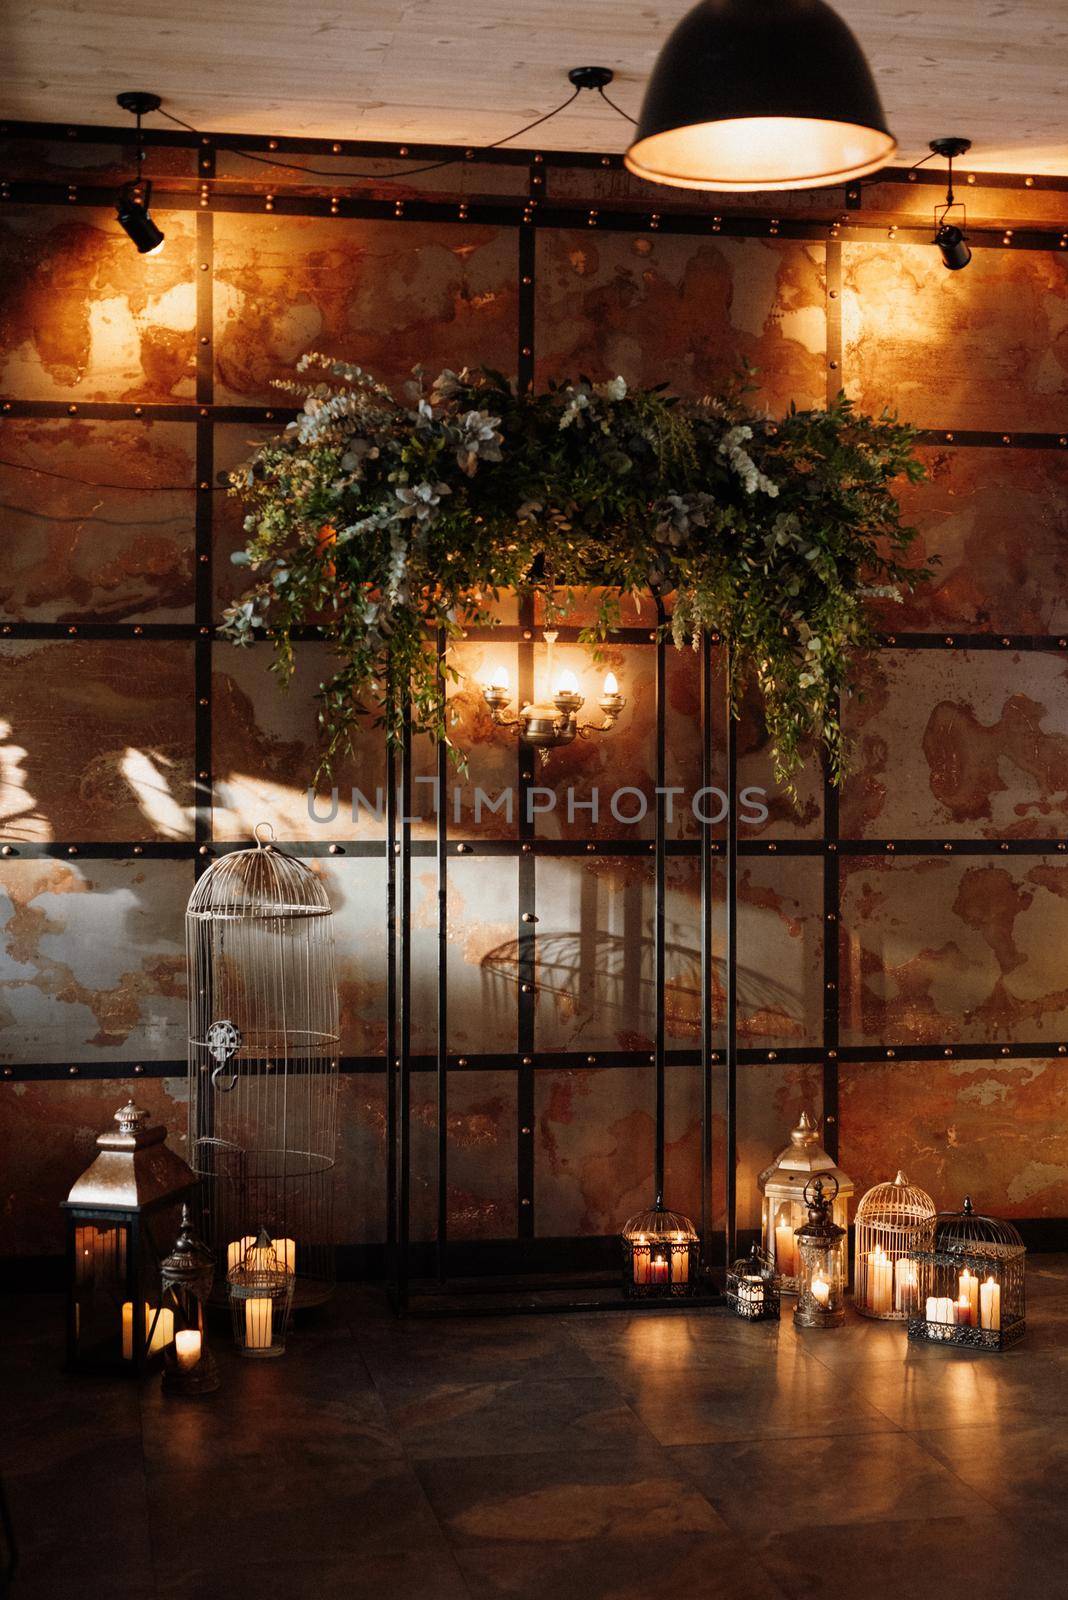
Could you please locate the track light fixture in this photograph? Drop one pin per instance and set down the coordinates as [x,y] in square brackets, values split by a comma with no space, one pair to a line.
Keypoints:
[950,237]
[768,95]
[132,201]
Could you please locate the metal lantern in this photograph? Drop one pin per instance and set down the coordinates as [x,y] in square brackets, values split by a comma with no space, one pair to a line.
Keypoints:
[661,1254]
[971,1288]
[263,1060]
[185,1278]
[119,1213]
[893,1222]
[821,1270]
[751,1290]
[261,1297]
[782,1188]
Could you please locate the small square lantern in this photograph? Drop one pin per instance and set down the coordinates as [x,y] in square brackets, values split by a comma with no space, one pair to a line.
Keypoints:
[261,1296]
[782,1188]
[185,1278]
[971,1289]
[661,1254]
[120,1214]
[751,1290]
[822,1266]
[893,1222]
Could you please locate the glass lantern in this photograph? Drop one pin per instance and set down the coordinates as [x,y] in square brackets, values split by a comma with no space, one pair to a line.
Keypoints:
[119,1214]
[751,1290]
[186,1277]
[893,1222]
[782,1188]
[261,1296]
[971,1289]
[661,1255]
[822,1267]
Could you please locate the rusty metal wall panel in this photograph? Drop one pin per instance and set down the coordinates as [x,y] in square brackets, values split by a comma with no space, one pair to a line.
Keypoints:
[99,740]
[995,1130]
[594,981]
[977,349]
[984,961]
[998,521]
[75,551]
[47,1137]
[623,303]
[593,1150]
[977,749]
[84,317]
[385,295]
[93,960]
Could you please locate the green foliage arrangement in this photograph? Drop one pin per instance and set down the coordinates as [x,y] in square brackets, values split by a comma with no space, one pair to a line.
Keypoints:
[387,522]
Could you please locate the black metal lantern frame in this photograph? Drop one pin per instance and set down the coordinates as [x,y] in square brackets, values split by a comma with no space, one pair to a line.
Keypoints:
[971,1284]
[120,1215]
[661,1256]
[751,1289]
[186,1278]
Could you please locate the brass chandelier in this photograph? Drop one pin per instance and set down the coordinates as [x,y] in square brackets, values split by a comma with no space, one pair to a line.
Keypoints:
[549,724]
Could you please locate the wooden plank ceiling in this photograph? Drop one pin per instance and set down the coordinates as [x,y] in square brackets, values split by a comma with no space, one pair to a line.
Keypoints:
[441,71]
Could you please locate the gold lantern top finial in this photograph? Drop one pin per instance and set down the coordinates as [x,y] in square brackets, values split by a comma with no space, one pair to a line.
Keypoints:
[133,1168]
[897,1205]
[801,1159]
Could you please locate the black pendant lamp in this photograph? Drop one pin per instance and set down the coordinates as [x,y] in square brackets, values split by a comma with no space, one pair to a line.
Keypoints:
[760,94]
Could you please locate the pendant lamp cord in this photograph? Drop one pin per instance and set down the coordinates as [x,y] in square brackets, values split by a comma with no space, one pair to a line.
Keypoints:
[404,172]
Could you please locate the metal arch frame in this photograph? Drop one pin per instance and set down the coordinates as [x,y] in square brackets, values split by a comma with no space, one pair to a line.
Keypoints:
[528,213]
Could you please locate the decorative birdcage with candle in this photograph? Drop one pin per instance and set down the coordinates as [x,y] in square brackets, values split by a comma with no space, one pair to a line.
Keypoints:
[263,1060]
[822,1266]
[186,1276]
[751,1290]
[893,1222]
[661,1254]
[782,1187]
[971,1283]
[120,1214]
[260,1286]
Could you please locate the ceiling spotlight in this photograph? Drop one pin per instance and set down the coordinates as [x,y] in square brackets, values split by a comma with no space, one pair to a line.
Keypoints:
[132,201]
[775,95]
[950,237]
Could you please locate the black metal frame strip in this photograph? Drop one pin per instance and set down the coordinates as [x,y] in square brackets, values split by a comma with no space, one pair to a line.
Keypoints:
[442,1065]
[708,1055]
[730,1172]
[203,586]
[659,904]
[526,944]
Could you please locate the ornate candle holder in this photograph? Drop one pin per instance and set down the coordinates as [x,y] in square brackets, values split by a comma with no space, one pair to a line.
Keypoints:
[549,726]
[261,1296]
[893,1221]
[971,1288]
[661,1255]
[751,1290]
[186,1277]
[821,1272]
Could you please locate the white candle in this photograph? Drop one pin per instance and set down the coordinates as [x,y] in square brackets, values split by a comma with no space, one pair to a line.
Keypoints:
[286,1253]
[821,1290]
[235,1253]
[990,1305]
[127,1330]
[163,1333]
[785,1248]
[880,1280]
[258,1331]
[641,1260]
[187,1347]
[968,1291]
[904,1283]
[751,1293]
[680,1260]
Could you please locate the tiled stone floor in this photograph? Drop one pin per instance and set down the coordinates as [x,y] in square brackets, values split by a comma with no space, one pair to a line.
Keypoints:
[593,1457]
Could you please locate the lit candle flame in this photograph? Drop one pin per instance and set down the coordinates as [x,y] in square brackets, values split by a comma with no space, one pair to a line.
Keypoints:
[611,685]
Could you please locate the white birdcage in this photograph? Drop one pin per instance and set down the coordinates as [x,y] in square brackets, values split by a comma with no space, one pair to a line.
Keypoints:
[263,1061]
[894,1221]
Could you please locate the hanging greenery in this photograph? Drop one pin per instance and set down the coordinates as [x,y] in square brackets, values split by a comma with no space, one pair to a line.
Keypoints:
[387,522]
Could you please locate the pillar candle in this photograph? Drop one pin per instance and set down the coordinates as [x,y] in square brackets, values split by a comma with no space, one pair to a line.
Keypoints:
[821,1290]
[990,1305]
[905,1284]
[751,1293]
[286,1253]
[235,1253]
[127,1330]
[641,1260]
[658,1270]
[968,1291]
[187,1347]
[785,1248]
[680,1263]
[880,1281]
[258,1324]
[163,1331]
